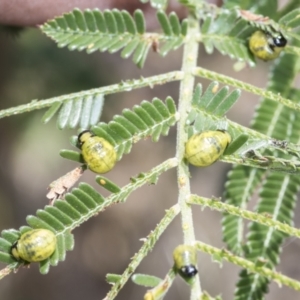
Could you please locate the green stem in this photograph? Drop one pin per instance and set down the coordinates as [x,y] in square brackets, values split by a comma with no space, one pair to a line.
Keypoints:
[124,86]
[159,291]
[190,55]
[272,163]
[201,72]
[124,192]
[223,254]
[263,219]
[145,249]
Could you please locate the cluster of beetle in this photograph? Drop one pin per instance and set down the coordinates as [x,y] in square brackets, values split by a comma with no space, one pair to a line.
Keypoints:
[201,150]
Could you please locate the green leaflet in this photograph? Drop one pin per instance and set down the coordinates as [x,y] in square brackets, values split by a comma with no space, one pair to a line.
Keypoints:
[113,30]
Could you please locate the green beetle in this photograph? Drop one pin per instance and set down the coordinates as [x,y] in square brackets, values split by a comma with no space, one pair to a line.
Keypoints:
[185,261]
[265,45]
[203,149]
[99,155]
[34,245]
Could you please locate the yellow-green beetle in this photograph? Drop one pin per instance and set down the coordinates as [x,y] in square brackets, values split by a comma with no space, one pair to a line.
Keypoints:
[185,261]
[99,155]
[34,245]
[265,45]
[203,149]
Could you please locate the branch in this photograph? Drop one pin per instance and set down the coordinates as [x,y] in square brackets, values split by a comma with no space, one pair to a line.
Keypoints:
[124,86]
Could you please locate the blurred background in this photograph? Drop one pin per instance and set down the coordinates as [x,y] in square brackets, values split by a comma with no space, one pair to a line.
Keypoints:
[32,67]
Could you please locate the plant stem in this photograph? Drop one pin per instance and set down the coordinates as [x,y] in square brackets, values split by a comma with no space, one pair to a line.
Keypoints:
[272,163]
[124,192]
[124,86]
[201,72]
[145,249]
[220,255]
[263,219]
[190,55]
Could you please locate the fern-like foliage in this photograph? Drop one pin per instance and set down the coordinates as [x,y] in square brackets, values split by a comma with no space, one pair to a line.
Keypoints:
[240,177]
[148,119]
[173,32]
[113,30]
[264,243]
[228,33]
[82,112]
[241,184]
[207,113]
[210,106]
[228,30]
[243,181]
[214,101]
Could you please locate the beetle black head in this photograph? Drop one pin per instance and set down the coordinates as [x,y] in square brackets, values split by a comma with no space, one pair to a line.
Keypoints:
[188,271]
[279,41]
